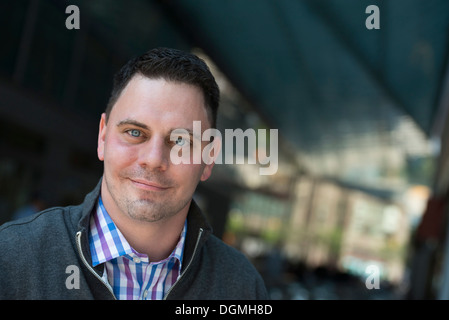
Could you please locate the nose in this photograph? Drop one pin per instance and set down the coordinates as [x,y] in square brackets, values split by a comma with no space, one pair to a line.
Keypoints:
[154,154]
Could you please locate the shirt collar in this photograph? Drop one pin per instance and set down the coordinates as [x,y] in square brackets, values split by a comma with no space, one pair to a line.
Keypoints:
[107,242]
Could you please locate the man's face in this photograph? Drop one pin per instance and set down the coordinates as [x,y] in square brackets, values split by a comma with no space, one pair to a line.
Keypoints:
[139,179]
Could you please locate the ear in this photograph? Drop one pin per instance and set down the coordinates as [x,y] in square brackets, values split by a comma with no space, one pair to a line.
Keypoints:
[210,155]
[207,171]
[101,137]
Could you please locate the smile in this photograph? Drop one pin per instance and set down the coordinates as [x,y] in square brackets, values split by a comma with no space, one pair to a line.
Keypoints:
[147,185]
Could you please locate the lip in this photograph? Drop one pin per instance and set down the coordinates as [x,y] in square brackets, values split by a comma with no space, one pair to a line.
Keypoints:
[148,185]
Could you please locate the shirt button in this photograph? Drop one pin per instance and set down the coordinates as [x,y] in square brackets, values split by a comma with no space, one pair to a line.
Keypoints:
[145,293]
[136,260]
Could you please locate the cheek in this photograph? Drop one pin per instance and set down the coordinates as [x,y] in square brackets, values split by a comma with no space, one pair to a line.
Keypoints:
[187,174]
[118,155]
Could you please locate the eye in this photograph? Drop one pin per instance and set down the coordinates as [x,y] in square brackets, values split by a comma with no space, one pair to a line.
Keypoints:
[134,132]
[180,141]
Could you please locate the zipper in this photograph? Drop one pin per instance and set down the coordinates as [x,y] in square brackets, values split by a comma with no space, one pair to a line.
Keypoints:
[78,244]
[187,267]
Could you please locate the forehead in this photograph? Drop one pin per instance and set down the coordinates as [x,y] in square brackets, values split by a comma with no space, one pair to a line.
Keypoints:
[157,100]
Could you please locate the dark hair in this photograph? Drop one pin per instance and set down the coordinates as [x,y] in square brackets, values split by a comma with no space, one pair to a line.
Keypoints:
[170,65]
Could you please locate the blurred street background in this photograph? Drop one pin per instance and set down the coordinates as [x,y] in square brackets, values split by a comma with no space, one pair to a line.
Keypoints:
[358,206]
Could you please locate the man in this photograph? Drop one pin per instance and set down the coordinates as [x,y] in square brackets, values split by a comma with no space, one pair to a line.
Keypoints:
[138,234]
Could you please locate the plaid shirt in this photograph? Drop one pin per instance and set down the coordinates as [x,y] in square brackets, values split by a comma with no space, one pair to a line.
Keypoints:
[131,274]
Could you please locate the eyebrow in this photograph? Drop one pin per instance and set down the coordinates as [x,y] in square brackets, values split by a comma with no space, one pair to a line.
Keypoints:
[186,129]
[132,122]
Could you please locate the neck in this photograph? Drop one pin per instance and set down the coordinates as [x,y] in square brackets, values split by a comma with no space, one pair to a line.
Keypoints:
[156,240]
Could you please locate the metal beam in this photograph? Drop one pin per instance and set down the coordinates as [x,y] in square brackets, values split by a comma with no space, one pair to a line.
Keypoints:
[352,48]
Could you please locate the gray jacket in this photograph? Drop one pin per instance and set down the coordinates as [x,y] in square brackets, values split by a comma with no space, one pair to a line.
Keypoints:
[47,256]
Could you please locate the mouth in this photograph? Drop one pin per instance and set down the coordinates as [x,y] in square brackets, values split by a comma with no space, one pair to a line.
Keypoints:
[148,185]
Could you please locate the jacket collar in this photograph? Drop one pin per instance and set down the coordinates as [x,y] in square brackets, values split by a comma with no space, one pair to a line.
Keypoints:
[196,221]
[196,224]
